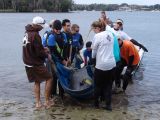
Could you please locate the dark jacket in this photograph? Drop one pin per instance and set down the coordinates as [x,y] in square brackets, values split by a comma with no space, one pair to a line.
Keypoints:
[33,51]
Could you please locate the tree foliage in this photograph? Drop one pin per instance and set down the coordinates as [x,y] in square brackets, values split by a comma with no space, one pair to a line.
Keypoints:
[33,5]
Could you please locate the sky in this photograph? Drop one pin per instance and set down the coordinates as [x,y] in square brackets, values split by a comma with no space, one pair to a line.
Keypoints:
[139,2]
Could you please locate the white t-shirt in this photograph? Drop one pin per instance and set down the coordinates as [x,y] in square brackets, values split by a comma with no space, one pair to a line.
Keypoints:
[124,36]
[102,50]
[110,29]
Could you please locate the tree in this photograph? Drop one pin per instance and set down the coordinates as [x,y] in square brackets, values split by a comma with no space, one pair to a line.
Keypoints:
[65,5]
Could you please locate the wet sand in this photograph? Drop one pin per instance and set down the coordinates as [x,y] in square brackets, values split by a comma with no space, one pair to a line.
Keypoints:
[138,103]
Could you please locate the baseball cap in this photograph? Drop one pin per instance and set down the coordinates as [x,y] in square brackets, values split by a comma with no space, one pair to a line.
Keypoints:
[119,21]
[39,21]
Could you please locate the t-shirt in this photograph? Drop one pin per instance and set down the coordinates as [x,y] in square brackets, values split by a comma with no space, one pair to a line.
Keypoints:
[77,40]
[87,54]
[44,37]
[128,50]
[56,43]
[124,36]
[116,49]
[102,50]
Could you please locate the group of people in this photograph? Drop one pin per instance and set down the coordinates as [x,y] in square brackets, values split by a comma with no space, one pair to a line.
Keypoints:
[110,50]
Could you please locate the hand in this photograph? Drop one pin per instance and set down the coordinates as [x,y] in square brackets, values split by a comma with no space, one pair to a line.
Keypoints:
[68,62]
[46,49]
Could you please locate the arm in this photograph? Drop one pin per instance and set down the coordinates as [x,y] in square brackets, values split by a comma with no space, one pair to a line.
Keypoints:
[138,44]
[94,49]
[81,42]
[52,45]
[130,60]
[85,58]
[39,49]
[55,52]
[127,37]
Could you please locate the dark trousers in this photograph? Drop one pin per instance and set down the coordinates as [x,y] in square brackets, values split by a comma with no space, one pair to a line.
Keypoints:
[74,51]
[54,86]
[103,85]
[127,75]
[118,70]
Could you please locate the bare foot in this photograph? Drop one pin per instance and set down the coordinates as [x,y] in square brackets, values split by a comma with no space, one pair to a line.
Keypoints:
[38,106]
[49,104]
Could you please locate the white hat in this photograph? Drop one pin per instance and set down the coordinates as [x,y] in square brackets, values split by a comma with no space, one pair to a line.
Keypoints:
[39,21]
[119,21]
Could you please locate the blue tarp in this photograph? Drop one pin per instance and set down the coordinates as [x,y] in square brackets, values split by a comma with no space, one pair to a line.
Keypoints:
[64,75]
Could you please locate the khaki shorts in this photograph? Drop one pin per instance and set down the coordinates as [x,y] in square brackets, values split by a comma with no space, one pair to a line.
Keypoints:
[37,73]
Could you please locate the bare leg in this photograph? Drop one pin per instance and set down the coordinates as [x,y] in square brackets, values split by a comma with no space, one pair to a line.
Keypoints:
[37,94]
[48,87]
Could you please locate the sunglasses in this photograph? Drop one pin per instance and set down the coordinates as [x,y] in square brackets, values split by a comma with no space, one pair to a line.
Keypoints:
[119,23]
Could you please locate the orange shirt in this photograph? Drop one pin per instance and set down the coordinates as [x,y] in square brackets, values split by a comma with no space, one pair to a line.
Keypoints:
[128,50]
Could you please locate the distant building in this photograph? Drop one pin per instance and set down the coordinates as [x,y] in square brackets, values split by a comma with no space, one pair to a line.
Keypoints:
[125,8]
[145,9]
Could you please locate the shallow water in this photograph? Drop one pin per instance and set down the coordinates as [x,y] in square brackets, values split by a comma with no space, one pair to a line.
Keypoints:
[141,101]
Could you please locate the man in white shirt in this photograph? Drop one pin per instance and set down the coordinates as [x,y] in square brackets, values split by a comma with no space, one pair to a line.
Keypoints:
[102,53]
[118,27]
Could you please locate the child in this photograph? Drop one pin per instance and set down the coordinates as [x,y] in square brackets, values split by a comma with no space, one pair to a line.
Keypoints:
[87,54]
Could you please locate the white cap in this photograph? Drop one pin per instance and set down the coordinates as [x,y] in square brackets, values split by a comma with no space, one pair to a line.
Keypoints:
[119,21]
[39,21]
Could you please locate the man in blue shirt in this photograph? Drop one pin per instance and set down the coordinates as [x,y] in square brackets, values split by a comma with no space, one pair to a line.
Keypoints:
[66,24]
[56,43]
[77,45]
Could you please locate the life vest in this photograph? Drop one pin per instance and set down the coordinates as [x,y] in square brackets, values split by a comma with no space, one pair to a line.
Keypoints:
[59,39]
[76,39]
[67,38]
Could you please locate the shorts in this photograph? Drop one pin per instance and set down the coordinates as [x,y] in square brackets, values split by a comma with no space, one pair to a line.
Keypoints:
[37,73]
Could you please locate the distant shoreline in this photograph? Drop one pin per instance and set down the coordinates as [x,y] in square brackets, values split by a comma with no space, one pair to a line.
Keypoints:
[35,11]
[13,11]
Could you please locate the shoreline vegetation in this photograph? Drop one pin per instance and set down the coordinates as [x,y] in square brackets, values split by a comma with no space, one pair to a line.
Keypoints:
[16,6]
